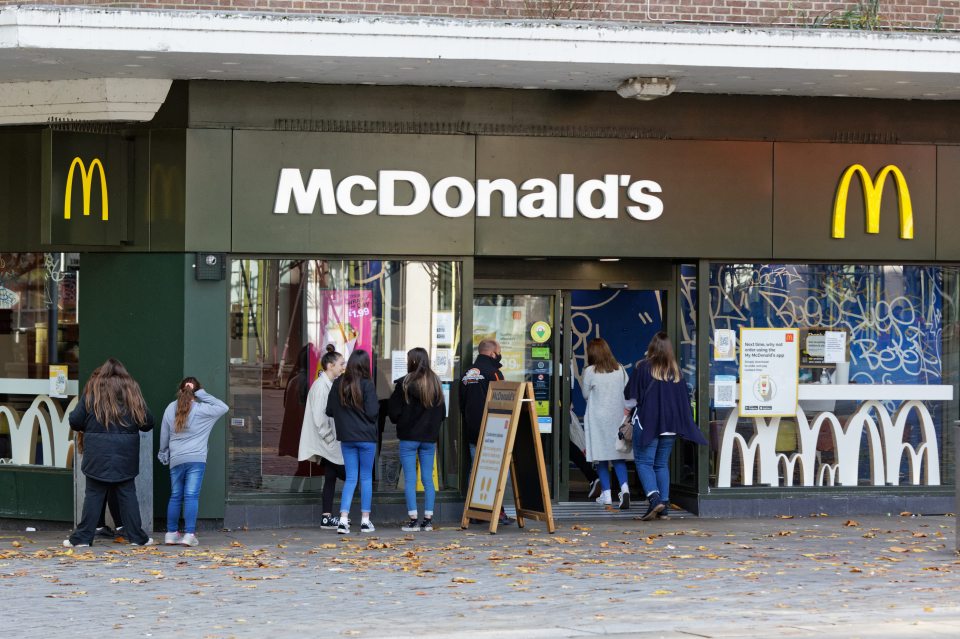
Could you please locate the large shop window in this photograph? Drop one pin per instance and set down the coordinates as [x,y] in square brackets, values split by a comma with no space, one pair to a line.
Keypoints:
[285,312]
[881,416]
[39,328]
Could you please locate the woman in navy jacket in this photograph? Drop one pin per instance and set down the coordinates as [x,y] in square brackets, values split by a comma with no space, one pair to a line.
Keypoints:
[109,418]
[662,412]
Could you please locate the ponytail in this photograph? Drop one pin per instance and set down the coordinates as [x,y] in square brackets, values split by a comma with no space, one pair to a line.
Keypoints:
[185,396]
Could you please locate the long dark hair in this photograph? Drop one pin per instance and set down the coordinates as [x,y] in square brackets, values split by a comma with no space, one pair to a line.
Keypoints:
[114,396]
[421,378]
[600,357]
[663,363]
[358,369]
[185,397]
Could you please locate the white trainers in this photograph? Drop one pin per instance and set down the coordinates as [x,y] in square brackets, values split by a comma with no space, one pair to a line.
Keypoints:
[172,539]
[68,544]
[189,539]
[605,499]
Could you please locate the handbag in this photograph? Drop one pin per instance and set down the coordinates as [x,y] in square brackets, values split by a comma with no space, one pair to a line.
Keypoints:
[625,437]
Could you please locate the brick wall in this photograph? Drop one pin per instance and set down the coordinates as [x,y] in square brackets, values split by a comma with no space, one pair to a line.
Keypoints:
[927,15]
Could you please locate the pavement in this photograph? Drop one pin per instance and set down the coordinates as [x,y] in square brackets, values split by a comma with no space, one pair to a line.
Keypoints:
[888,576]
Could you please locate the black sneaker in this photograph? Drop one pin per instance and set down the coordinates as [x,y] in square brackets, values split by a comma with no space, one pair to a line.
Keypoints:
[411,526]
[594,491]
[343,527]
[107,532]
[427,524]
[653,510]
[329,522]
[624,501]
[505,519]
[367,527]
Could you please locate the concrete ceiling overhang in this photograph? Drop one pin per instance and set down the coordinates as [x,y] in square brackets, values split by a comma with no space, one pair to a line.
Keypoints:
[68,44]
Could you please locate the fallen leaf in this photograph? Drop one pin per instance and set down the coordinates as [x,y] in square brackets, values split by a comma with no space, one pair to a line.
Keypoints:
[17,544]
[851,523]
[898,549]
[658,593]
[463,580]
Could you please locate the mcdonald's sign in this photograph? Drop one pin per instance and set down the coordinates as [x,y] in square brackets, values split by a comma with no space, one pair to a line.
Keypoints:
[86,180]
[872,196]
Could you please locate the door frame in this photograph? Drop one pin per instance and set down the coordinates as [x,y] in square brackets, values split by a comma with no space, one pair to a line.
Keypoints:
[527,281]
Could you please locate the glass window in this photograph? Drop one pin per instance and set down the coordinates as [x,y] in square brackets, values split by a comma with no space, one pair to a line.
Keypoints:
[285,312]
[900,327]
[37,291]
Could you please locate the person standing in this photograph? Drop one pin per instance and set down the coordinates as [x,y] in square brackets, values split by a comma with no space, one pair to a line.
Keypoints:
[661,412]
[417,408]
[318,437]
[109,417]
[602,387]
[184,433]
[473,396]
[354,407]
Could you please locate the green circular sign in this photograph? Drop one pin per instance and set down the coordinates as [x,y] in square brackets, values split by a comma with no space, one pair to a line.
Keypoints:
[540,332]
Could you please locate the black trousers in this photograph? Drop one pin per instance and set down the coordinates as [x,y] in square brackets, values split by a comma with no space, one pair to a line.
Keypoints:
[331,473]
[580,460]
[114,504]
[93,502]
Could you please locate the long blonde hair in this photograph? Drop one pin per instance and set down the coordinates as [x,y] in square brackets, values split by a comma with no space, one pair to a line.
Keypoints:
[114,396]
[663,363]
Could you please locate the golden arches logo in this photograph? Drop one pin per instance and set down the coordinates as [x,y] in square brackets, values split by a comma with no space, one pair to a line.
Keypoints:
[86,179]
[872,196]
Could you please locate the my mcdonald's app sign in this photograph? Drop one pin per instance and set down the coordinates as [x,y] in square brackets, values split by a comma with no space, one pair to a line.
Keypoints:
[86,196]
[872,188]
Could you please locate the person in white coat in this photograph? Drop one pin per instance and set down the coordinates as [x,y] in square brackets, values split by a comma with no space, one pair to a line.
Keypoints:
[318,438]
[602,386]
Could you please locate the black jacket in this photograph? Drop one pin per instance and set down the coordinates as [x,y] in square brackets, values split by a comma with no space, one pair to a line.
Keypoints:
[109,454]
[354,425]
[473,394]
[414,421]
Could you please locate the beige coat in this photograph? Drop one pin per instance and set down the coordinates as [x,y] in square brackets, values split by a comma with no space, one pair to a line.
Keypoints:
[318,438]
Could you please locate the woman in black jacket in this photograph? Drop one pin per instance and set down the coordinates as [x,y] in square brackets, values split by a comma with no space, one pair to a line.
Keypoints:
[108,418]
[417,408]
[354,406]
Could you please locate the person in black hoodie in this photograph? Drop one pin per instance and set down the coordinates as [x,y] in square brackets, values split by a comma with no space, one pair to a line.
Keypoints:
[417,408]
[354,407]
[108,418]
[473,396]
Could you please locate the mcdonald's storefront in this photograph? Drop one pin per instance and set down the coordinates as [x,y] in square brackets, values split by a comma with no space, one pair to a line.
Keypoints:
[250,225]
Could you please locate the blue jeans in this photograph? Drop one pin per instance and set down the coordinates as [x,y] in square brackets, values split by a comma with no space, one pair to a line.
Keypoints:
[619,467]
[358,460]
[652,467]
[409,451]
[185,481]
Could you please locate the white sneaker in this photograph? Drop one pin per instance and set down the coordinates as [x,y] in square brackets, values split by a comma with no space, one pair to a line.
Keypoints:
[149,542]
[172,539]
[604,499]
[189,539]
[68,544]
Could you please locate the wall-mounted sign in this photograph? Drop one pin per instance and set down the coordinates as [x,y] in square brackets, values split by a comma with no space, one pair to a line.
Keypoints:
[872,198]
[769,371]
[822,346]
[540,332]
[724,345]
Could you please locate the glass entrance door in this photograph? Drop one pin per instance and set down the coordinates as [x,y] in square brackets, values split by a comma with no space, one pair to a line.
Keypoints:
[524,326]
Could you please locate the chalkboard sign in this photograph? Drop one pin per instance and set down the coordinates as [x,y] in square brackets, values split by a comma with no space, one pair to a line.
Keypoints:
[509,439]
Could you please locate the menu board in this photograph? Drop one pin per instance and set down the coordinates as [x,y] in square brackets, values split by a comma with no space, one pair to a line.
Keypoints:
[769,371]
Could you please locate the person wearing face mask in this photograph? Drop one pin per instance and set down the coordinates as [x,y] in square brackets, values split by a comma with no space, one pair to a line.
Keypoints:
[473,395]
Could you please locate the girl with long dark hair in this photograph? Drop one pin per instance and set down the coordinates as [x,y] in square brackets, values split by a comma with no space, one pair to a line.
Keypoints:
[354,407]
[417,408]
[661,402]
[318,437]
[109,417]
[184,432]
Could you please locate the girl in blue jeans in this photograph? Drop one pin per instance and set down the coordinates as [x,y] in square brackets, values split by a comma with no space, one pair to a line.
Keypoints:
[662,412]
[354,407]
[187,423]
[417,408]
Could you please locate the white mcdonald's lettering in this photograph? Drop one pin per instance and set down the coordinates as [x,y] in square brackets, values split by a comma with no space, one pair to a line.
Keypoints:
[453,196]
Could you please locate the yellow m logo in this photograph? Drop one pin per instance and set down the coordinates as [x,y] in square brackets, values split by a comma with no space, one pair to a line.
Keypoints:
[872,195]
[86,178]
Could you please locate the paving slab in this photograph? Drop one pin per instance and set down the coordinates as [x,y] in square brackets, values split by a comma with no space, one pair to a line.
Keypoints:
[872,577]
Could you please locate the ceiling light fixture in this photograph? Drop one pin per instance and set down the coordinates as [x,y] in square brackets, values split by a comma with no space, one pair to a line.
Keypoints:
[646,88]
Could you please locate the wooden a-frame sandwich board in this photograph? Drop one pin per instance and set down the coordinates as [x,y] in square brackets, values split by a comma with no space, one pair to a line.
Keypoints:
[509,441]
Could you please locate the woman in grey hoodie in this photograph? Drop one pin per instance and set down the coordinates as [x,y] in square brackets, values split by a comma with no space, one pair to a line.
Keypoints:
[187,423]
